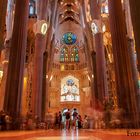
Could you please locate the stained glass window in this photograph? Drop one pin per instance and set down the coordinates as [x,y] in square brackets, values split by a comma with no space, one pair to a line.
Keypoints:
[76,57]
[69,54]
[32,8]
[64,55]
[70,89]
[74,54]
[69,38]
[70,82]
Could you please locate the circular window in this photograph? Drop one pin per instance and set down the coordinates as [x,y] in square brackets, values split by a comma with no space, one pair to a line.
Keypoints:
[69,38]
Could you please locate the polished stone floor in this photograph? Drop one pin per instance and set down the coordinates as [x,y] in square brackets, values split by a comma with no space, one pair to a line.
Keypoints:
[71,135]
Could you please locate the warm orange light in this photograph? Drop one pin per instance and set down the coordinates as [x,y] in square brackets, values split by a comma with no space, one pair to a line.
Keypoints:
[5,61]
[1,75]
[62,67]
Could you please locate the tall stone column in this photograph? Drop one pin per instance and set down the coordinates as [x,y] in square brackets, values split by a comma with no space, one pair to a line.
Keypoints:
[5,59]
[44,84]
[3,8]
[95,87]
[123,70]
[14,83]
[135,15]
[89,43]
[49,51]
[132,48]
[40,46]
[100,55]
[93,55]
[5,51]
[37,76]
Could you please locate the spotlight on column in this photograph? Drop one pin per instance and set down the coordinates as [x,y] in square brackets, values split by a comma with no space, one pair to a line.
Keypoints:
[40,27]
[97,26]
[94,28]
[44,28]
[5,61]
[103,28]
[1,75]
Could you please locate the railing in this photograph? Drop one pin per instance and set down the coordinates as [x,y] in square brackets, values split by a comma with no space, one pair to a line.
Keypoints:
[69,66]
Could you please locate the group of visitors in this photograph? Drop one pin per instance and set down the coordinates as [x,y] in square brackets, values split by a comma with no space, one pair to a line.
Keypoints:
[67,120]
[61,120]
[74,120]
[5,121]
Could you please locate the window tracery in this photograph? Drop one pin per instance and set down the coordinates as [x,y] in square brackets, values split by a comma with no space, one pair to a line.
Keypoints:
[70,89]
[68,54]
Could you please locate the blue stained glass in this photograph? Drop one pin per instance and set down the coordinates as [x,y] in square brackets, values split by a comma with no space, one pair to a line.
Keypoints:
[69,38]
[70,82]
[76,58]
[31,10]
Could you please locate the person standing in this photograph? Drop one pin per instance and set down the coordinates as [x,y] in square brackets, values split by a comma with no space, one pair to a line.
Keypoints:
[60,120]
[68,119]
[85,122]
[56,122]
[75,116]
[79,121]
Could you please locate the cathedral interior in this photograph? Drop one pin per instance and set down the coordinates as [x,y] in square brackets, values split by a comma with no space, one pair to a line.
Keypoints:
[61,55]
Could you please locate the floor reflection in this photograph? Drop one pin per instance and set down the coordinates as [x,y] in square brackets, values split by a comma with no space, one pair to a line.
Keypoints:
[69,135]
[60,138]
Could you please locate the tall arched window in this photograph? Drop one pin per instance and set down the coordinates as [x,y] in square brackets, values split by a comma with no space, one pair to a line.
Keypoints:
[76,58]
[74,55]
[32,8]
[68,54]
[64,56]
[70,89]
